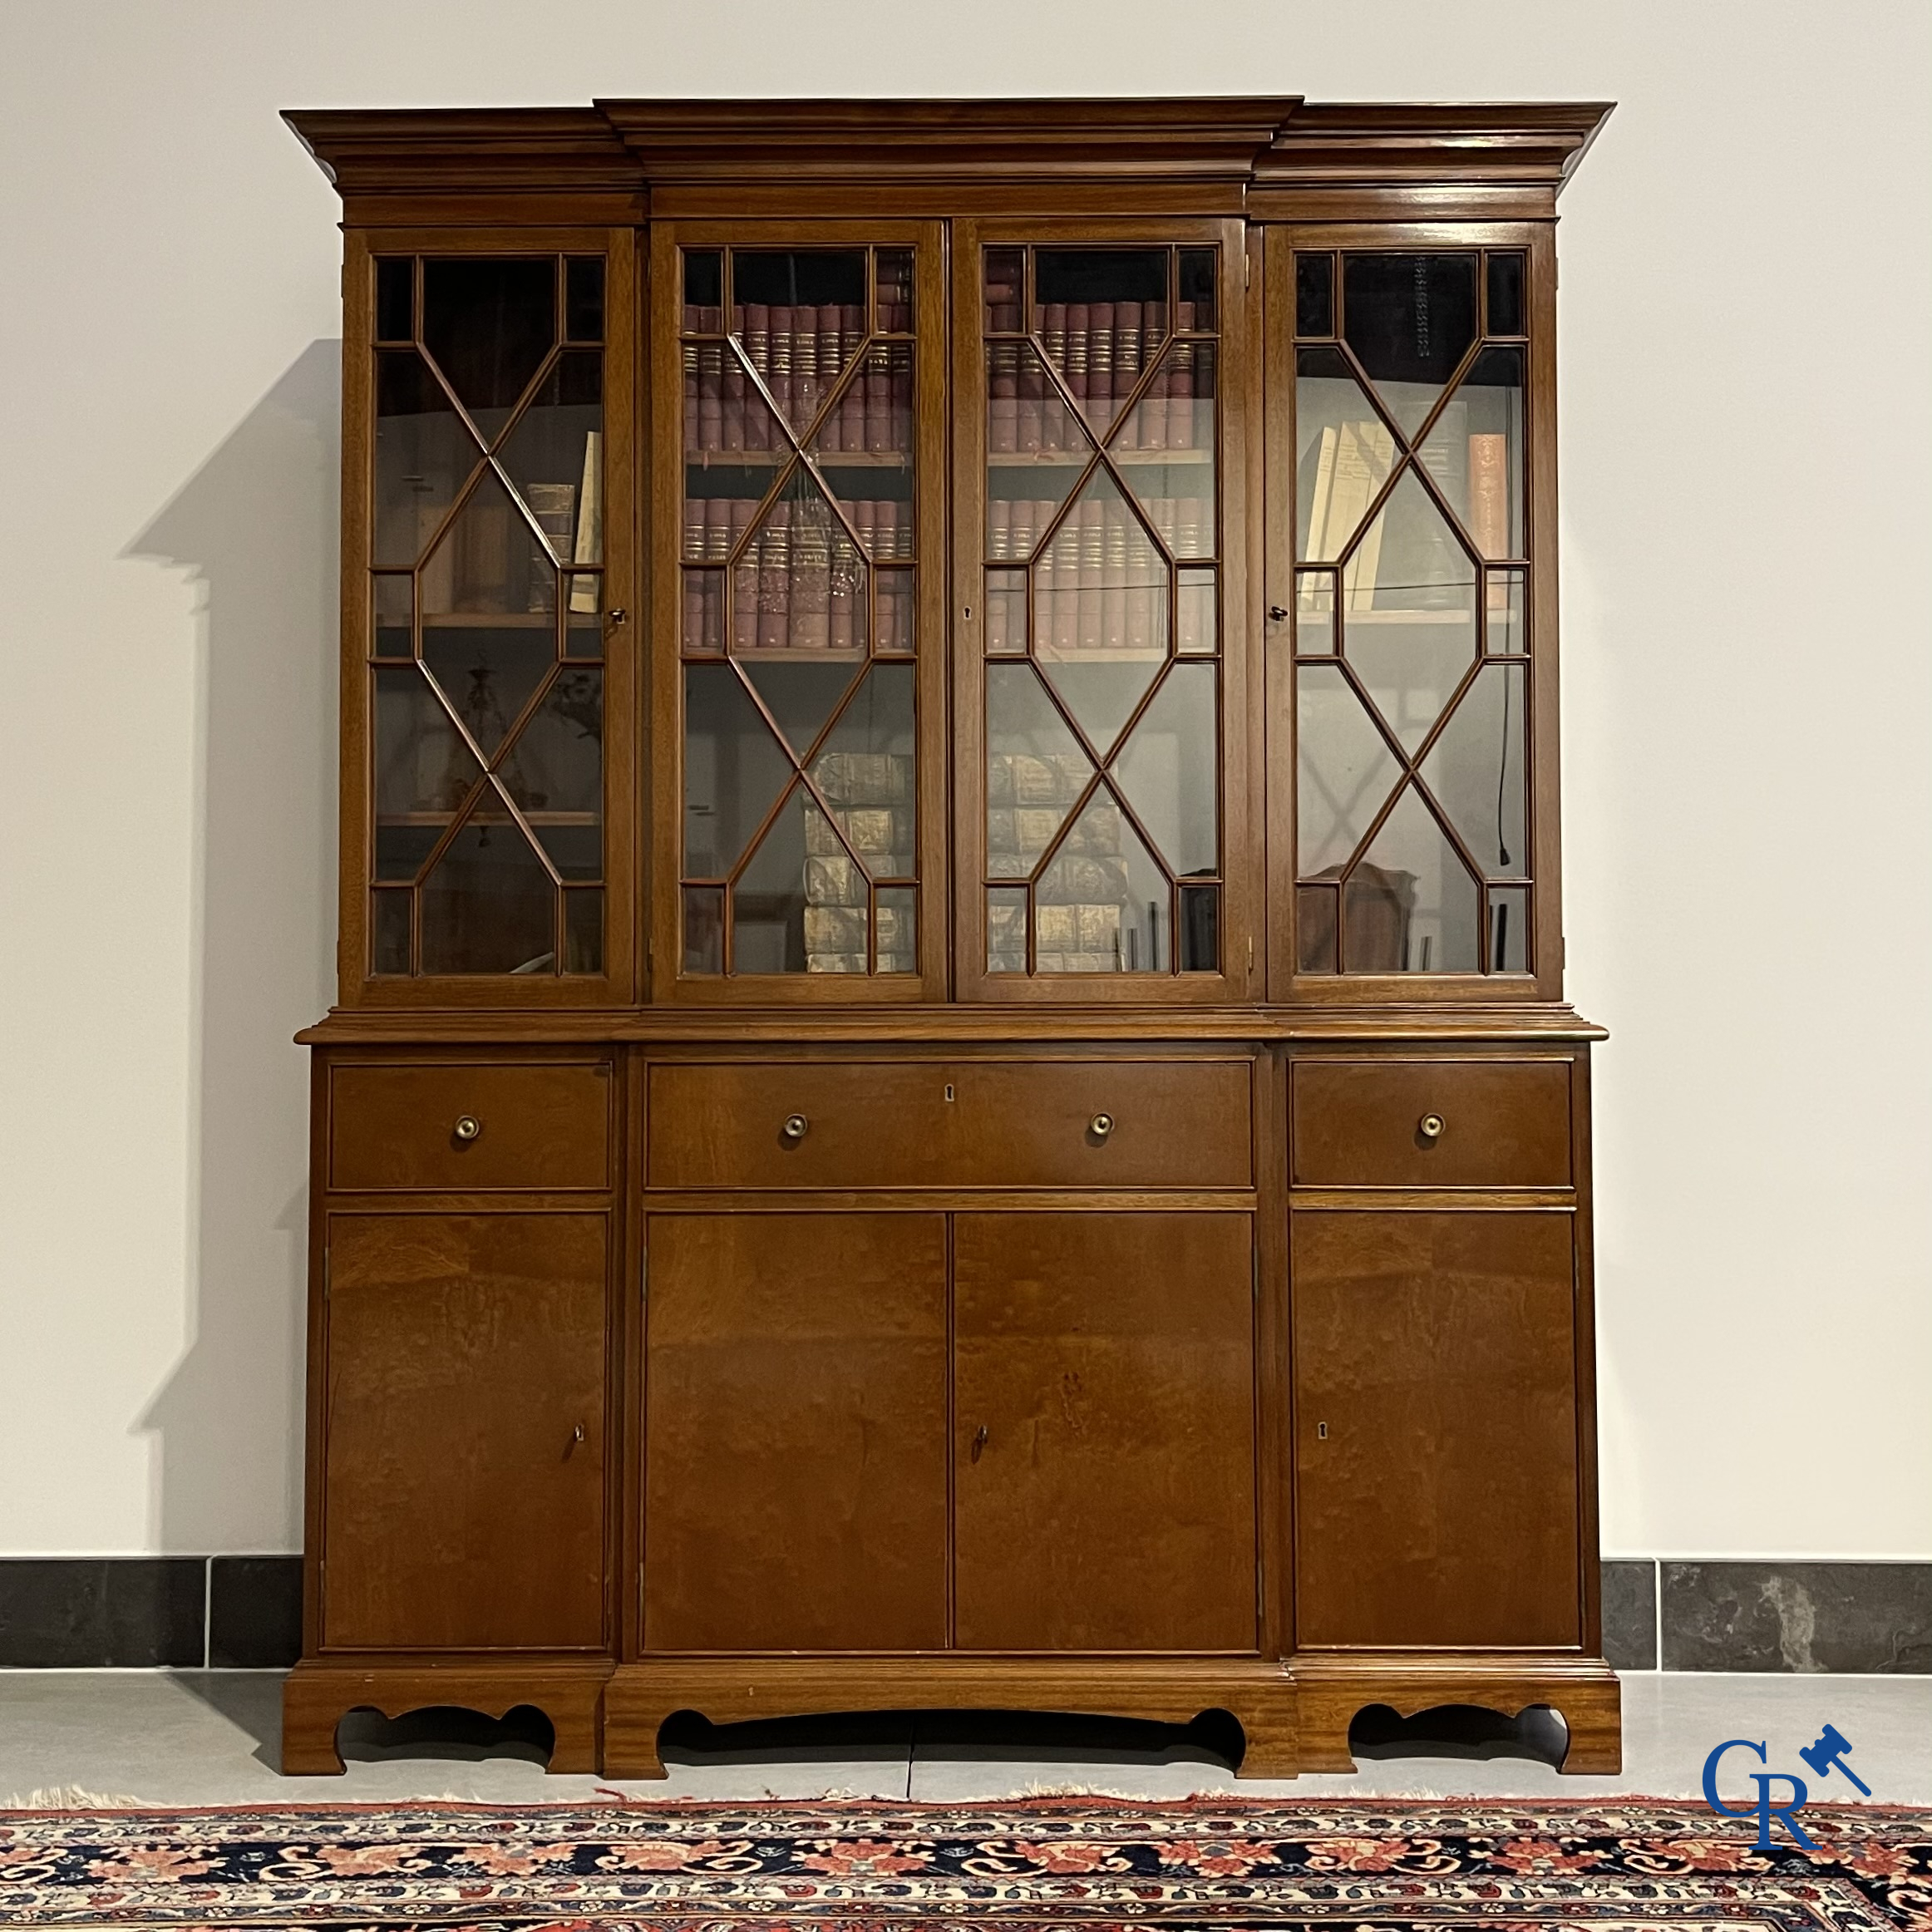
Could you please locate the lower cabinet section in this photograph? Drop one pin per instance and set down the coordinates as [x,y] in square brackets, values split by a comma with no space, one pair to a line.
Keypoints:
[1436,1497]
[463,1432]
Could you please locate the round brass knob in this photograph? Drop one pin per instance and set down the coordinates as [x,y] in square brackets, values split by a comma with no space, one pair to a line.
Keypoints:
[1430,1126]
[467,1128]
[1101,1126]
[795,1126]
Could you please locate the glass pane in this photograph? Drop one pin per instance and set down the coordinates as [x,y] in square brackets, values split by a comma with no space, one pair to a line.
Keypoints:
[784,278]
[1103,295]
[1409,612]
[1476,770]
[768,904]
[1006,612]
[555,772]
[554,456]
[1344,770]
[801,695]
[1344,452]
[489,905]
[488,563]
[897,921]
[1197,289]
[1508,929]
[489,325]
[1005,269]
[1409,319]
[1176,414]
[1505,296]
[1006,928]
[1314,613]
[865,773]
[703,628]
[793,310]
[1169,773]
[802,583]
[584,929]
[1475,453]
[584,298]
[1314,295]
[704,928]
[894,292]
[489,675]
[423,771]
[1198,614]
[584,622]
[703,286]
[1315,909]
[733,770]
[743,419]
[1035,771]
[1025,414]
[1201,929]
[895,614]
[395,299]
[393,600]
[424,454]
[389,919]
[1103,904]
[1414,861]
[1509,620]
[1375,905]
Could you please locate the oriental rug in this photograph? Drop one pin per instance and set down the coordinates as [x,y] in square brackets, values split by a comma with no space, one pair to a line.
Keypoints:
[1220,1866]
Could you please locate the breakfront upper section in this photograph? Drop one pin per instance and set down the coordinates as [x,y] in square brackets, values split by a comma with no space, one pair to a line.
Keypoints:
[841,554]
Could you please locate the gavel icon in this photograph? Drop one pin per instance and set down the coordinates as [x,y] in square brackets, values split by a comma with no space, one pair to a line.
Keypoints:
[1828,1754]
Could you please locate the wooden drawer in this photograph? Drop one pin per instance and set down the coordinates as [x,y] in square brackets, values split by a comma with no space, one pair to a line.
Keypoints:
[538,1125]
[1358,1123]
[953,1124]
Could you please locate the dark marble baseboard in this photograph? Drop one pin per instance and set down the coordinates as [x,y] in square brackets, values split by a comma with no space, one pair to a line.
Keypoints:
[245,1612]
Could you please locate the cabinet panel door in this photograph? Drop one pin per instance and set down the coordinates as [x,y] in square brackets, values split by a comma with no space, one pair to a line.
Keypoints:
[463,1508]
[796,1432]
[1104,1432]
[1436,1429]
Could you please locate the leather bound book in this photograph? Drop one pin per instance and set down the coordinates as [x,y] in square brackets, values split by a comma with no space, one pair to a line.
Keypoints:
[828,357]
[745,577]
[774,581]
[1099,363]
[693,632]
[1093,537]
[877,380]
[697,516]
[1141,627]
[710,396]
[783,341]
[688,353]
[811,584]
[1053,424]
[805,382]
[1002,390]
[998,531]
[1030,415]
[852,410]
[1126,366]
[758,354]
[1151,426]
[1076,348]
[1180,385]
[734,388]
[902,427]
[1113,598]
[884,543]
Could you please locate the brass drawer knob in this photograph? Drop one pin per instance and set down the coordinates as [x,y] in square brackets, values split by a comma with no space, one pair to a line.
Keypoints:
[1101,1126]
[795,1127]
[467,1128]
[1430,1126]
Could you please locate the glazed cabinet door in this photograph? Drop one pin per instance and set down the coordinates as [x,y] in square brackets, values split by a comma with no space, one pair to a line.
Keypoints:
[463,1440]
[488,764]
[795,1432]
[1436,1453]
[1101,715]
[1412,605]
[1104,1403]
[798,623]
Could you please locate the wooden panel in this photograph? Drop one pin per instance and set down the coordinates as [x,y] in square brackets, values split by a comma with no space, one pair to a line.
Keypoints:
[1438,1353]
[462,1510]
[1109,1360]
[541,1126]
[877,1123]
[796,1432]
[1506,1123]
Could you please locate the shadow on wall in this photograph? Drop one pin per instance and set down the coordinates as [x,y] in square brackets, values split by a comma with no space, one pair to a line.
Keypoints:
[257,526]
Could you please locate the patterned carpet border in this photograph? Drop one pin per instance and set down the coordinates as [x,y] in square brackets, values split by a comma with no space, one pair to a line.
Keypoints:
[1628,1864]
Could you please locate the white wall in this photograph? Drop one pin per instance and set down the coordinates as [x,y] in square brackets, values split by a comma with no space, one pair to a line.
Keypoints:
[1748,694]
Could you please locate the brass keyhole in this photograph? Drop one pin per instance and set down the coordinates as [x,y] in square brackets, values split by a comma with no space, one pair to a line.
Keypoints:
[1321,1431]
[467,1128]
[1430,1126]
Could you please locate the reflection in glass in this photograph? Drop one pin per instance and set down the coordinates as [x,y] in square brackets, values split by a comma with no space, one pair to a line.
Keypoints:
[865,773]
[1198,633]
[488,676]
[1006,612]
[488,324]
[704,928]
[1005,269]
[704,610]
[1443,928]
[1508,615]
[894,291]
[1314,613]
[1098,312]
[554,456]
[583,624]
[1475,768]
[584,298]
[1197,289]
[395,299]
[703,282]
[894,614]
[389,937]
[489,904]
[1168,770]
[584,929]
[897,925]
[423,771]
[424,453]
[394,602]
[1006,928]
[1508,929]
[1314,295]
[1201,929]
[1344,770]
[555,772]
[801,695]
[1025,414]
[733,770]
[1505,295]
[1176,413]
[1035,771]
[488,563]
[1103,904]
[1474,454]
[798,583]
[769,932]
[799,316]
[1409,319]
[1315,908]
[1344,454]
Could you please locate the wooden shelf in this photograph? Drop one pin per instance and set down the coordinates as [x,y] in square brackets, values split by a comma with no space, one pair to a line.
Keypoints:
[776,459]
[491,815]
[1079,459]
[495,620]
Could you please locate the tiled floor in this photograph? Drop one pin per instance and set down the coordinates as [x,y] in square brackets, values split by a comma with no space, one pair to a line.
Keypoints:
[210,1738]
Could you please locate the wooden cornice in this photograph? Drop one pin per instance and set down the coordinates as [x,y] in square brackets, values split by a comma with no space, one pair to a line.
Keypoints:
[621,158]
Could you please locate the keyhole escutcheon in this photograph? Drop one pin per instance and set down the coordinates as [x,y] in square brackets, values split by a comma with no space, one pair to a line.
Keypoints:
[979,1440]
